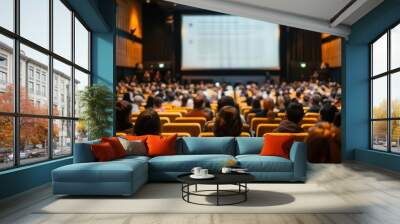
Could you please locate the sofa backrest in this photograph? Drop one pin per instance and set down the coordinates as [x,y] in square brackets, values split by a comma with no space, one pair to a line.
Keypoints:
[249,145]
[206,145]
[83,152]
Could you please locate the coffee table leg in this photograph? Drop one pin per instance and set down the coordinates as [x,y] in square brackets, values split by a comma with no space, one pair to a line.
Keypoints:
[245,193]
[217,194]
[196,188]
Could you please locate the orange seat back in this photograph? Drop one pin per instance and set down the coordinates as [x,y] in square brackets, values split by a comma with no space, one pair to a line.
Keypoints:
[171,115]
[263,120]
[200,120]
[265,128]
[193,129]
[250,117]
[211,134]
[179,134]
[307,126]
[312,115]
[308,120]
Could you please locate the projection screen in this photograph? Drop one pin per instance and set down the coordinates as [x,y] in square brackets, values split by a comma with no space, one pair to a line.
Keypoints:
[228,42]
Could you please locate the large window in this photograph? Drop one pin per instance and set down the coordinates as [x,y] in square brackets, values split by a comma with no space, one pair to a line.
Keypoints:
[385,93]
[44,64]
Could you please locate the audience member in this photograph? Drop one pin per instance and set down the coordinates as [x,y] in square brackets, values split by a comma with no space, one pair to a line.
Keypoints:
[295,114]
[148,123]
[198,109]
[228,122]
[123,116]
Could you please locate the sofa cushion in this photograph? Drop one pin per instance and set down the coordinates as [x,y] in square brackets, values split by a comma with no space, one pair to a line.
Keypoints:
[246,145]
[185,163]
[161,145]
[257,163]
[103,152]
[206,145]
[112,171]
[277,145]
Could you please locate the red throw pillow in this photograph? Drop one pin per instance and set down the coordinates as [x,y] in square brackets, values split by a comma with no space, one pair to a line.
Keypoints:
[116,145]
[103,152]
[277,145]
[136,138]
[161,145]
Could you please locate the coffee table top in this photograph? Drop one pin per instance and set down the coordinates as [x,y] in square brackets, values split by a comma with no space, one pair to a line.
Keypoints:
[220,178]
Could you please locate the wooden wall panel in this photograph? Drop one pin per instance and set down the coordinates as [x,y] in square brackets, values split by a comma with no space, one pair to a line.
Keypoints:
[129,17]
[332,53]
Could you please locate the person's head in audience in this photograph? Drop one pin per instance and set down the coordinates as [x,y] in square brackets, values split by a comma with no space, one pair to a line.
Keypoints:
[148,123]
[198,103]
[225,101]
[150,102]
[295,112]
[328,113]
[123,115]
[268,104]
[256,105]
[228,122]
[158,103]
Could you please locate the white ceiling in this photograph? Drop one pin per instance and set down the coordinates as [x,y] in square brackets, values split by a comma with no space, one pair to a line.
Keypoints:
[315,15]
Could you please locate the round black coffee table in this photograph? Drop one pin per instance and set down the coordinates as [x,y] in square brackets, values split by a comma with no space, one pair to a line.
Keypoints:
[238,179]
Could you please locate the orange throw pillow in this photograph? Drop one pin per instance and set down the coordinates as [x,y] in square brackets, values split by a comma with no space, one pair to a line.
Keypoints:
[103,152]
[161,145]
[116,145]
[277,145]
[136,138]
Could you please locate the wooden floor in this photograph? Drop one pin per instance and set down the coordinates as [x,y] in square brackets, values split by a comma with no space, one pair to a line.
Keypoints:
[378,189]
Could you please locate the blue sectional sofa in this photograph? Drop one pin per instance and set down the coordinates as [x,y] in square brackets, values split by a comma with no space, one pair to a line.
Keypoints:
[125,176]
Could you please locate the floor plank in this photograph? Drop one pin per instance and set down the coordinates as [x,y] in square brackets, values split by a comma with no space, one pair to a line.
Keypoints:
[376,190]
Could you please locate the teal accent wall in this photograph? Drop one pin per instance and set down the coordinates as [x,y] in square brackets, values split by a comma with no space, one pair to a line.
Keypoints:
[356,86]
[99,16]
[103,53]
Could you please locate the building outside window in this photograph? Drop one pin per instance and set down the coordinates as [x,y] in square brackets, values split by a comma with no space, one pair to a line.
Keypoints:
[57,128]
[385,94]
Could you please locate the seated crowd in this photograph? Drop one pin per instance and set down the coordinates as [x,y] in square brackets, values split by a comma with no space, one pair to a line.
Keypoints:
[228,110]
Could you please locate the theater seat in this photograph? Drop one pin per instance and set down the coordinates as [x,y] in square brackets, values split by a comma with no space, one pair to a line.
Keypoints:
[307,126]
[193,129]
[211,134]
[171,115]
[199,120]
[265,128]
[263,120]
[179,134]
[308,120]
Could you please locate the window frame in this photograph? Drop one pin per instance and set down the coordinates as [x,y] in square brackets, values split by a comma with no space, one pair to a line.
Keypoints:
[16,114]
[388,74]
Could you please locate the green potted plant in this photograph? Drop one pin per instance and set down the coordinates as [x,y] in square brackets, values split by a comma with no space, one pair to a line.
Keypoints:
[96,104]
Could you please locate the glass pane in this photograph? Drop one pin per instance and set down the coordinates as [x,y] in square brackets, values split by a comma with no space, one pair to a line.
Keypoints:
[379,97]
[62,89]
[7,14]
[35,21]
[6,142]
[81,45]
[379,55]
[62,138]
[6,74]
[395,94]
[379,135]
[81,81]
[34,97]
[395,129]
[33,139]
[81,132]
[62,28]
[395,47]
